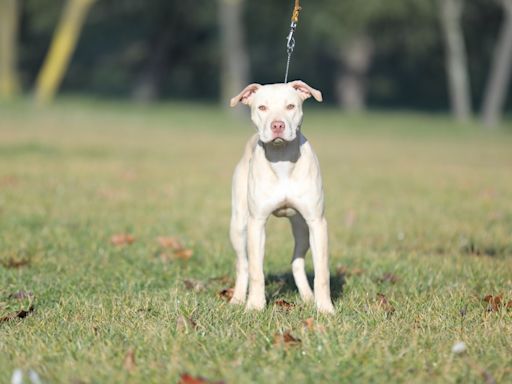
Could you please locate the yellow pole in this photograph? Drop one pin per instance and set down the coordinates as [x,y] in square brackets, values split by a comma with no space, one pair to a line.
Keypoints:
[63,44]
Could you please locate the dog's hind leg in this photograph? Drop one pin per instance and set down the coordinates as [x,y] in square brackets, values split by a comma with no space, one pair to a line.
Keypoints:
[301,235]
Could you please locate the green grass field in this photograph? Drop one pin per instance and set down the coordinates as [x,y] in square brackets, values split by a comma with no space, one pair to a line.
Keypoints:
[419,210]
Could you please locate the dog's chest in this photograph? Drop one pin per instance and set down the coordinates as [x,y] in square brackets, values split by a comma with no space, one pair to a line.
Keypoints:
[283,170]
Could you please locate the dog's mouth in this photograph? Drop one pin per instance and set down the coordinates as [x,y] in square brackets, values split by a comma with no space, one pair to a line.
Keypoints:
[278,141]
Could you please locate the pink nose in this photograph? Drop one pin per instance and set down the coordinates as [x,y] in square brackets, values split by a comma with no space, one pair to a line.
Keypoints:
[277,127]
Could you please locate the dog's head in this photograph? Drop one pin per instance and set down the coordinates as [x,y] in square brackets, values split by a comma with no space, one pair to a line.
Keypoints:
[276,109]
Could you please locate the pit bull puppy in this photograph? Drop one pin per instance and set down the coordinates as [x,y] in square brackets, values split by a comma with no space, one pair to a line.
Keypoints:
[278,174]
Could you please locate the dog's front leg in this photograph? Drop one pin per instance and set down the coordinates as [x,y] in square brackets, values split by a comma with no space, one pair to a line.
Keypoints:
[256,249]
[318,242]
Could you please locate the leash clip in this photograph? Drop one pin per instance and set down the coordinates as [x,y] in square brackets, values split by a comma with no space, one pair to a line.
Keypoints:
[290,40]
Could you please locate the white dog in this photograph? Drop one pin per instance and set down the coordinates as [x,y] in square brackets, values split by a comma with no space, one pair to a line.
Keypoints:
[278,174]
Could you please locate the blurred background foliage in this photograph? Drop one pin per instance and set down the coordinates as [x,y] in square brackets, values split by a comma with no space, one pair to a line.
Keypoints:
[382,54]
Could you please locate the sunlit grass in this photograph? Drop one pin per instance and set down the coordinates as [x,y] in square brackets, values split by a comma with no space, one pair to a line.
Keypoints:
[409,195]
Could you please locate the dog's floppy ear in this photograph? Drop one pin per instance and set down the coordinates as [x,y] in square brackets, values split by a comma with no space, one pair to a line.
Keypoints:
[305,91]
[246,95]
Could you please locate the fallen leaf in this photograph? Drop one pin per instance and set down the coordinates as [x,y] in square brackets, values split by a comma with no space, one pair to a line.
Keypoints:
[463,311]
[389,278]
[20,295]
[169,242]
[122,239]
[225,279]
[495,302]
[309,323]
[20,314]
[183,254]
[15,263]
[342,270]
[384,304]
[286,339]
[23,312]
[8,181]
[488,378]
[184,324]
[509,304]
[284,304]
[194,285]
[185,378]
[226,294]
[129,360]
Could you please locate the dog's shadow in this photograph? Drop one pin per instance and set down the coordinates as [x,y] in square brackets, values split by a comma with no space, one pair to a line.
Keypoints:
[284,284]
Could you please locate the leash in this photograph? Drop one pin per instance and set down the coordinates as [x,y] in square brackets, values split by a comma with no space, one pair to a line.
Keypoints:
[290,40]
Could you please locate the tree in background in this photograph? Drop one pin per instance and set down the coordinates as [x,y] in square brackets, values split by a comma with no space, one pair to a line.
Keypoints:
[63,44]
[348,29]
[499,78]
[235,60]
[456,59]
[9,84]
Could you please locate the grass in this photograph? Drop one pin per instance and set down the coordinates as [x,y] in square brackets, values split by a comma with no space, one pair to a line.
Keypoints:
[412,198]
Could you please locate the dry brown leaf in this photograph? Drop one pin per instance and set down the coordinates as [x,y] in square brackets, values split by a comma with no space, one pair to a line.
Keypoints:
[225,279]
[183,253]
[283,304]
[129,360]
[388,277]
[286,339]
[20,295]
[15,263]
[342,270]
[226,294]
[20,314]
[488,377]
[185,378]
[169,242]
[194,285]
[309,323]
[384,304]
[122,239]
[495,302]
[8,181]
[185,324]
[509,305]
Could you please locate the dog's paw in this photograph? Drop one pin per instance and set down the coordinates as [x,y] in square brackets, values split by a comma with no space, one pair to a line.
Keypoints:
[326,308]
[237,300]
[307,297]
[255,305]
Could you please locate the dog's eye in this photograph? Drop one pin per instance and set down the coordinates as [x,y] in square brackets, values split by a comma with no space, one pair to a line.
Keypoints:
[262,108]
[290,107]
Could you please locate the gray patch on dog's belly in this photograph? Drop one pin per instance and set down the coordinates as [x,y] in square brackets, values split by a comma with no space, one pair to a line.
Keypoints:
[284,212]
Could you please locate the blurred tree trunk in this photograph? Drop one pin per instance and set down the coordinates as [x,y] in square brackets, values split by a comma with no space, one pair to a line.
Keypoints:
[235,60]
[497,85]
[149,84]
[456,59]
[9,83]
[351,83]
[63,44]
